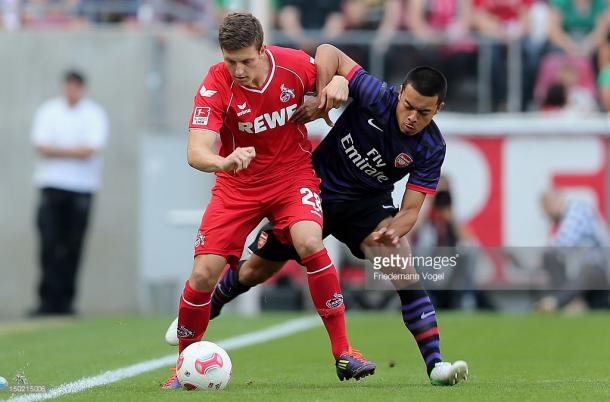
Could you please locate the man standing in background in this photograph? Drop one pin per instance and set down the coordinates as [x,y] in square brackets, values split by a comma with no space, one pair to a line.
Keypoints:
[68,134]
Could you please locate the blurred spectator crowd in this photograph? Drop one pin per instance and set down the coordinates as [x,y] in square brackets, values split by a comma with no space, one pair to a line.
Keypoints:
[562,47]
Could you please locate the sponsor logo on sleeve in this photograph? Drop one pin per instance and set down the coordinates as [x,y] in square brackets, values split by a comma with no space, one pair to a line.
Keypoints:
[201,116]
[206,93]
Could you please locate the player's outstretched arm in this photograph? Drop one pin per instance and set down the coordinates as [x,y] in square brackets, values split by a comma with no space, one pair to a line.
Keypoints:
[404,220]
[201,156]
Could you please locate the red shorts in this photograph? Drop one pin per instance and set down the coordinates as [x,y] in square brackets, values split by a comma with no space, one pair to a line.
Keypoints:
[233,212]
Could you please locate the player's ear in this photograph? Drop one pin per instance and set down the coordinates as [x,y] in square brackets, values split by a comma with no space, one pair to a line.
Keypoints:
[440,107]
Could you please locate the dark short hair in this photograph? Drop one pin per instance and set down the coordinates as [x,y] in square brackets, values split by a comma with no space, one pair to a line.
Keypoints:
[240,30]
[428,81]
[74,76]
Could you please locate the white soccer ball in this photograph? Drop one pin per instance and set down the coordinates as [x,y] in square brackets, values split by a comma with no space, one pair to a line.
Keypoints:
[204,366]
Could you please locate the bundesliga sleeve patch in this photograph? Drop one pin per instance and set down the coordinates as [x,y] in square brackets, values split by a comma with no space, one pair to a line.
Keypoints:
[201,116]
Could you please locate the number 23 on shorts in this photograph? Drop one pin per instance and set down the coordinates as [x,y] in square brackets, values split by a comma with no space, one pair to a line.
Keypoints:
[313,200]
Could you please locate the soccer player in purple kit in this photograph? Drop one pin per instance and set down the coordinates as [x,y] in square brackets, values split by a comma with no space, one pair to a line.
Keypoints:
[383,135]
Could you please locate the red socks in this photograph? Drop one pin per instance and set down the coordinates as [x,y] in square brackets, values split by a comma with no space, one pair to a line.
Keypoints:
[193,316]
[326,294]
[194,310]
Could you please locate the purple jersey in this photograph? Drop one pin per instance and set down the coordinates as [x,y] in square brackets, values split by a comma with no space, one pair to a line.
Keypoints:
[365,153]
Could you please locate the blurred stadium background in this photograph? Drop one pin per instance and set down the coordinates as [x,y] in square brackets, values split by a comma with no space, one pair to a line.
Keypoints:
[529,89]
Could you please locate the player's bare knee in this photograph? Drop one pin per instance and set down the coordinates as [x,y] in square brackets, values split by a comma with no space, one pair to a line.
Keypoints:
[308,245]
[203,279]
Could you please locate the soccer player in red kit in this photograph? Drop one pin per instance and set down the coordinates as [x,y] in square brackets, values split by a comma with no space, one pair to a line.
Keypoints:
[263,170]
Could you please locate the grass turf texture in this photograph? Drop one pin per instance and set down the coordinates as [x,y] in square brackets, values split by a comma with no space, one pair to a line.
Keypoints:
[511,357]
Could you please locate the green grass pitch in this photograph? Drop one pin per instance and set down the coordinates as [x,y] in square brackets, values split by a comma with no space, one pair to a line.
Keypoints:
[511,357]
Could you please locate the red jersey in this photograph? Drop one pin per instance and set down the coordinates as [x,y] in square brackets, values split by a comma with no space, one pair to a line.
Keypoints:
[258,117]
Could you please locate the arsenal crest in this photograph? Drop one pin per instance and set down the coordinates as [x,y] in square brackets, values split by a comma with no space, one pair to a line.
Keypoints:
[262,240]
[402,160]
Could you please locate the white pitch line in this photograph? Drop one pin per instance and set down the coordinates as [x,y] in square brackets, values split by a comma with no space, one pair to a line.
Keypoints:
[276,331]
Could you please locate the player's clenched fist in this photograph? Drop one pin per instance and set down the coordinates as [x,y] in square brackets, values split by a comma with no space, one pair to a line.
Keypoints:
[334,94]
[239,159]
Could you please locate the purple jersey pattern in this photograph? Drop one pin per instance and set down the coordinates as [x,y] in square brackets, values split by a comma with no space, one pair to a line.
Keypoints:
[365,153]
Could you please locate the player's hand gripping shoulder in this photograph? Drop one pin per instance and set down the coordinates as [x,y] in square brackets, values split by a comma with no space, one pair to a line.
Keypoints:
[238,160]
[333,95]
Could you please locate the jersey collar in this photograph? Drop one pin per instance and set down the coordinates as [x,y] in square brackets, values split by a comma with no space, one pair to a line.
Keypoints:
[269,76]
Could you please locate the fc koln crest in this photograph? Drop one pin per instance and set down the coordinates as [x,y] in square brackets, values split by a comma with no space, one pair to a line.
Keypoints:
[200,239]
[287,93]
